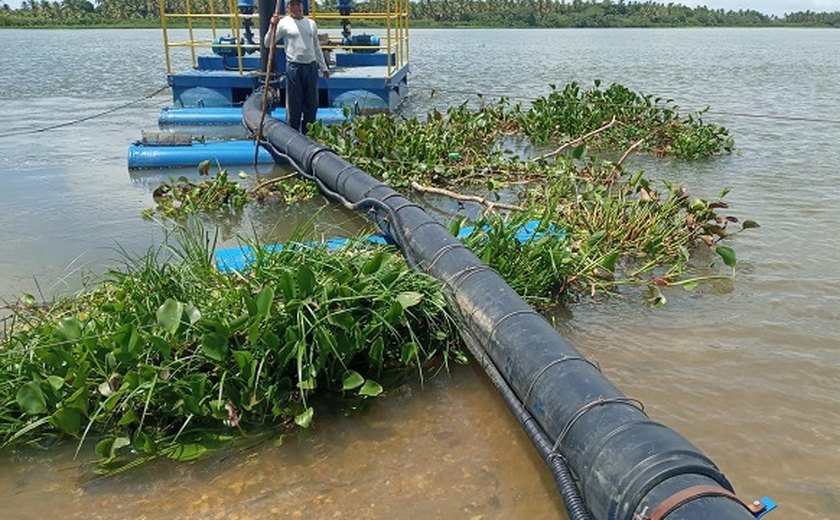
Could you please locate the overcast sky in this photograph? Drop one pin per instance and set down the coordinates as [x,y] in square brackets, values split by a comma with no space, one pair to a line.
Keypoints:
[764,6]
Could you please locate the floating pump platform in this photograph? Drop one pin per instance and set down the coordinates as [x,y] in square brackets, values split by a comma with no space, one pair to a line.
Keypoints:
[368,73]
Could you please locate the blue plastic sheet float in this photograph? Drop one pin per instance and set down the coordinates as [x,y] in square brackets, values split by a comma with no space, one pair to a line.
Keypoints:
[241,258]
[226,153]
[233,116]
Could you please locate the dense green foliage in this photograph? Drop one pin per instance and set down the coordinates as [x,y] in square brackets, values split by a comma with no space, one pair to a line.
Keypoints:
[459,147]
[488,13]
[181,196]
[618,227]
[169,357]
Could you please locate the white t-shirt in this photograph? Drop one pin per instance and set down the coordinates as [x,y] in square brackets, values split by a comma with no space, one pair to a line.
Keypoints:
[301,41]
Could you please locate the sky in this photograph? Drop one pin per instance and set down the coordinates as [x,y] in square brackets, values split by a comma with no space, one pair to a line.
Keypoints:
[764,6]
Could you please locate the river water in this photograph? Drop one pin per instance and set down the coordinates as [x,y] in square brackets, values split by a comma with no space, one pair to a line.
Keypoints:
[749,370]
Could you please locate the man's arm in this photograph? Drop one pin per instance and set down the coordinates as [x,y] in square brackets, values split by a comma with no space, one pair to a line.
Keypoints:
[319,54]
[275,20]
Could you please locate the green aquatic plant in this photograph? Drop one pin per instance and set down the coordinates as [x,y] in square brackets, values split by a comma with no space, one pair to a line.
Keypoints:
[571,112]
[596,229]
[169,357]
[460,145]
[220,196]
[180,197]
[612,218]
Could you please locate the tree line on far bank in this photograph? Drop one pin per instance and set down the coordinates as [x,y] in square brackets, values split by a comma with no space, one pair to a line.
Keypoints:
[433,13]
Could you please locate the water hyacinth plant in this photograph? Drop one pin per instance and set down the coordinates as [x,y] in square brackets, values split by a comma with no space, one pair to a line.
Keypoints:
[173,358]
[180,197]
[611,218]
[572,111]
[596,228]
[459,147]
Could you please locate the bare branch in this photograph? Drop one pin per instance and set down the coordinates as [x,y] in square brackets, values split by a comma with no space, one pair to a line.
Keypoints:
[579,140]
[263,184]
[472,198]
[630,150]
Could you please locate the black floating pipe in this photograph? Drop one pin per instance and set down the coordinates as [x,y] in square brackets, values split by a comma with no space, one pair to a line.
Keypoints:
[628,466]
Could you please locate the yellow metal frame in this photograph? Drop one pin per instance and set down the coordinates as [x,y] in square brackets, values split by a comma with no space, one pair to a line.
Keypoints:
[395,19]
[234,24]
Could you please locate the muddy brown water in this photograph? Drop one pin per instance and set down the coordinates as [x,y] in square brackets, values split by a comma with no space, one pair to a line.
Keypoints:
[748,370]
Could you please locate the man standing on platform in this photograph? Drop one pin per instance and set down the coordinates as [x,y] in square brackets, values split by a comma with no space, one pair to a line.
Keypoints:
[304,58]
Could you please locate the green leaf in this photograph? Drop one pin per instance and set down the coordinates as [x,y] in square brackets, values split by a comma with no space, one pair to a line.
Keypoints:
[264,301]
[578,151]
[169,315]
[143,442]
[609,262]
[56,382]
[395,312]
[728,255]
[162,346]
[204,167]
[78,400]
[352,380]
[119,442]
[103,448]
[304,419]
[370,389]
[128,417]
[376,351]
[750,224]
[287,286]
[596,237]
[271,340]
[254,333]
[31,399]
[409,299]
[186,452]
[408,353]
[68,420]
[215,346]
[243,358]
[192,314]
[375,262]
[70,329]
[306,280]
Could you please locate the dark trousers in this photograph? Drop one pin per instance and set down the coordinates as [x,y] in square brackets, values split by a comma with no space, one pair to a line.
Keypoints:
[301,95]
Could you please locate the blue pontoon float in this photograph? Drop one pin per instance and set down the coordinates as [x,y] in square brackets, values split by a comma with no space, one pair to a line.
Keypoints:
[369,73]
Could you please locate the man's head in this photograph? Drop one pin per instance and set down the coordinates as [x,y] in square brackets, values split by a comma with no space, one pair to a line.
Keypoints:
[295,8]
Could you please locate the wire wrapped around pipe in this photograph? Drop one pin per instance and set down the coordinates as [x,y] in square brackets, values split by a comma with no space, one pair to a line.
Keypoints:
[563,478]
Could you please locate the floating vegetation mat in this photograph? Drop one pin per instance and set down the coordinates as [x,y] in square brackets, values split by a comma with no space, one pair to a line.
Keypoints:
[170,358]
[461,146]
